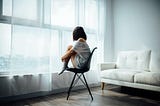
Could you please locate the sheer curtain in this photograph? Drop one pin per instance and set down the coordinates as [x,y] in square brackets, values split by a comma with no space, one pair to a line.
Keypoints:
[36,33]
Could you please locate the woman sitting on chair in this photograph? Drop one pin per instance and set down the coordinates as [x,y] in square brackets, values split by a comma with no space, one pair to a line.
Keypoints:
[78,52]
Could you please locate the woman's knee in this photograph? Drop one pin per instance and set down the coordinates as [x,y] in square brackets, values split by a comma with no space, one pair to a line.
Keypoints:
[69,47]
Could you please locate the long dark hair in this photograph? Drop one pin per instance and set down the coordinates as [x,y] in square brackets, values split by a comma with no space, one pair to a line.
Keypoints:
[78,32]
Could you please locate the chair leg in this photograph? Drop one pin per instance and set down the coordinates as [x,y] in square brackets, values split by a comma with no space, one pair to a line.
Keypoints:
[87,87]
[76,80]
[102,85]
[71,85]
[79,77]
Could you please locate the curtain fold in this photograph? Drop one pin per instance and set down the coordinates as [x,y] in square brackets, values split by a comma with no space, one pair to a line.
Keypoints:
[30,46]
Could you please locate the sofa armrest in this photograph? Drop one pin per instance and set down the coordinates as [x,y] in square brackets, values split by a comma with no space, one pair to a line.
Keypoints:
[105,66]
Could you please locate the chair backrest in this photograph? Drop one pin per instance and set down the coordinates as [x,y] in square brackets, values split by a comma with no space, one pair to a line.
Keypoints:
[88,62]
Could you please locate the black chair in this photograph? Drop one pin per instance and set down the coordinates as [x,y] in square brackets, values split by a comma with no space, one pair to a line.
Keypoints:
[79,73]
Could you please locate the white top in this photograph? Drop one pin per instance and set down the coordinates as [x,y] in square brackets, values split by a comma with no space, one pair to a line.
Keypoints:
[83,51]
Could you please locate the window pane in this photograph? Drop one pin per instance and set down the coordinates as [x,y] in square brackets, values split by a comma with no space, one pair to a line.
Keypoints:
[91,14]
[5,39]
[63,12]
[66,39]
[92,40]
[47,11]
[7,7]
[5,43]
[27,9]
[30,49]
[55,59]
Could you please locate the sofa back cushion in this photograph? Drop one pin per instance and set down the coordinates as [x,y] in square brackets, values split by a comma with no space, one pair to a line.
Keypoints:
[134,60]
[155,61]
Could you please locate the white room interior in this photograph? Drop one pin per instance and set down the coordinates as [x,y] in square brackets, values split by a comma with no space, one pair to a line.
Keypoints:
[134,25]
[123,25]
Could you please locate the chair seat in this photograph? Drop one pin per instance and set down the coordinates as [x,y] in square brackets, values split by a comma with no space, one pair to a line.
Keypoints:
[76,70]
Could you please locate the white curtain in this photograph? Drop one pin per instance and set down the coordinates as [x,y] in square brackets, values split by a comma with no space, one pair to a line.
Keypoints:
[37,33]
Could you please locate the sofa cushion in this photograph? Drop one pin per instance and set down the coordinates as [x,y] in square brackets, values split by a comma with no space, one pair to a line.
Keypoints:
[155,62]
[152,78]
[120,74]
[134,59]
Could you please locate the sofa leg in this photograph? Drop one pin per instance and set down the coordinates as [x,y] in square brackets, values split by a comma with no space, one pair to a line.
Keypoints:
[102,85]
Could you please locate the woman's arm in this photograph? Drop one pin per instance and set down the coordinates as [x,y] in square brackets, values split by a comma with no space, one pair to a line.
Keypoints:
[68,54]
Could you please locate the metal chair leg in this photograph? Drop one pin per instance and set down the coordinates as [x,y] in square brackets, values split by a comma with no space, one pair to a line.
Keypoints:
[79,77]
[71,85]
[87,87]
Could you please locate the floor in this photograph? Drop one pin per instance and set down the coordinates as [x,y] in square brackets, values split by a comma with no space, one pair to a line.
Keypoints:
[110,96]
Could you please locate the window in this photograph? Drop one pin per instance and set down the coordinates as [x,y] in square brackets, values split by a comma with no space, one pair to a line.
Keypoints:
[91,14]
[63,13]
[30,49]
[29,8]
[5,46]
[34,33]
[5,39]
[7,8]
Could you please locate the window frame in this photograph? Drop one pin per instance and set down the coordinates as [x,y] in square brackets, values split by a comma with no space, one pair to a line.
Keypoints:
[79,10]
[3,18]
[22,21]
[79,18]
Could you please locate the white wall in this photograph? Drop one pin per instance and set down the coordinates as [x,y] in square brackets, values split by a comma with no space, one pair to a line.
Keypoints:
[137,27]
[108,38]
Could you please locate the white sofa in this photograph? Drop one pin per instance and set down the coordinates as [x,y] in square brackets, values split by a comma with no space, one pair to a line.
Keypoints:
[132,69]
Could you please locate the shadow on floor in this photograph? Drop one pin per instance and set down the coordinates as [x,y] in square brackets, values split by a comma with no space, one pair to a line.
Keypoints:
[135,92]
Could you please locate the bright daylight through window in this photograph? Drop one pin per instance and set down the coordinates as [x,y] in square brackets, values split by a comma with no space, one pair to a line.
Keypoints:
[34,33]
